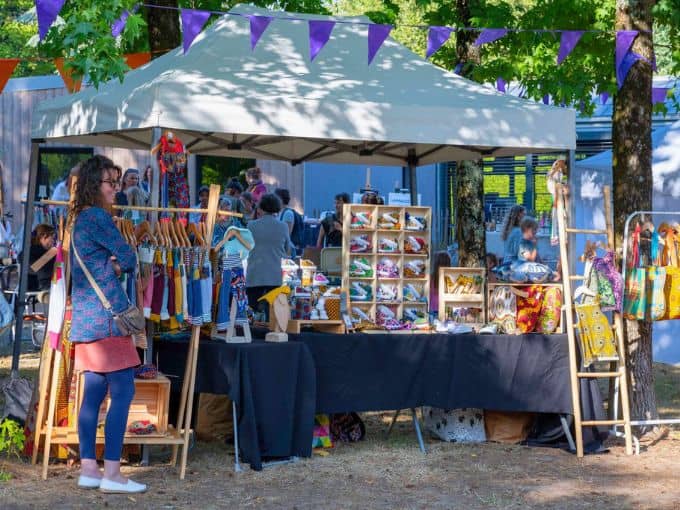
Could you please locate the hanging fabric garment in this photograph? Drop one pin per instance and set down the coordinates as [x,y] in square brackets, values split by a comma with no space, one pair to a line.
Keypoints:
[179,288]
[170,269]
[57,306]
[206,291]
[158,283]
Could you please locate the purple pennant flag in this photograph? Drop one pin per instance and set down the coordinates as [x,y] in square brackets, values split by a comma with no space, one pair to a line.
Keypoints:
[500,85]
[319,33]
[624,67]
[258,24]
[119,25]
[459,67]
[624,40]
[436,37]
[47,11]
[568,42]
[376,37]
[193,22]
[546,99]
[490,35]
[659,95]
[604,97]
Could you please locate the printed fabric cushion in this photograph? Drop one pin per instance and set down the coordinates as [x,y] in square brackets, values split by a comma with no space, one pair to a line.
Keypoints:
[457,425]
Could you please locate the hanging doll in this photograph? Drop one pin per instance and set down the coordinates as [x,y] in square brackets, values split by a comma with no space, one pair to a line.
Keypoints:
[554,177]
[172,160]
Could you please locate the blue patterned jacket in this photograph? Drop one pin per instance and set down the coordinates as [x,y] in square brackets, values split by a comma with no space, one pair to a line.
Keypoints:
[97,240]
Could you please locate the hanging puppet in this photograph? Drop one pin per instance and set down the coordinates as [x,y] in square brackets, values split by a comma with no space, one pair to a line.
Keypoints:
[172,161]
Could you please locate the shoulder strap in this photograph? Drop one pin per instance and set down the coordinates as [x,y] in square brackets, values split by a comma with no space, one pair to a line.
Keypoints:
[93,283]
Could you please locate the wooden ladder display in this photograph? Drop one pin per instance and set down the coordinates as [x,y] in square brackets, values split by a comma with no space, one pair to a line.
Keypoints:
[51,363]
[617,369]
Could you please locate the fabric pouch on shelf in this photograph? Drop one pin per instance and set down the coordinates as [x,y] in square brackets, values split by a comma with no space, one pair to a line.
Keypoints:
[551,311]
[529,308]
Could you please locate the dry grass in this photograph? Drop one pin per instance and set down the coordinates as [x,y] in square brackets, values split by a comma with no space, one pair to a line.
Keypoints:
[387,473]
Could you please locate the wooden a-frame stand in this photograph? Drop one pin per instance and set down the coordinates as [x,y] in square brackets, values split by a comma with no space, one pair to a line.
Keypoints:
[49,378]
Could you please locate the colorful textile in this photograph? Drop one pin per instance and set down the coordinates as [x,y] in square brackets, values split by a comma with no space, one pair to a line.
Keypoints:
[606,266]
[321,437]
[595,333]
[529,308]
[551,311]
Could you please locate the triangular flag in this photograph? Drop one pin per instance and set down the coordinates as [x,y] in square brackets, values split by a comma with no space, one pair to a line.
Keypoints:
[135,60]
[490,35]
[376,37]
[659,94]
[568,42]
[604,97]
[436,37]
[258,24]
[71,84]
[119,25]
[193,21]
[47,11]
[624,67]
[624,40]
[7,66]
[458,69]
[546,99]
[319,33]
[500,85]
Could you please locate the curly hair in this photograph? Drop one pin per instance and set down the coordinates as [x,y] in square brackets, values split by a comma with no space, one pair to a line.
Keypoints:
[87,192]
[270,203]
[512,220]
[529,223]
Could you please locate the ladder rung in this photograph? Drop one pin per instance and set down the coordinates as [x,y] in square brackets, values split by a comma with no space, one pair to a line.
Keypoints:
[597,375]
[602,422]
[586,231]
[576,277]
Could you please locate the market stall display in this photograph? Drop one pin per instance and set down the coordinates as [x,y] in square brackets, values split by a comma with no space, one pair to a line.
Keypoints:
[462,295]
[386,261]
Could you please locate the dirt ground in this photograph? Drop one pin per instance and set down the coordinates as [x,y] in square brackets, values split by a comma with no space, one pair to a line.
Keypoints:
[386,472]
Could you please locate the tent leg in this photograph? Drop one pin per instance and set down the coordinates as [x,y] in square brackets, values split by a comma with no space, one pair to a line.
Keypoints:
[394,420]
[155,173]
[237,463]
[567,433]
[19,304]
[416,426]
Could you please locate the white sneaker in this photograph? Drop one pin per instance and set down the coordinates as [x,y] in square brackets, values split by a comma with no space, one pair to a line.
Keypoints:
[111,487]
[89,482]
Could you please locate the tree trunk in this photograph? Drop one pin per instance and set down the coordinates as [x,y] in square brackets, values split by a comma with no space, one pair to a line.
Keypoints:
[163,27]
[470,230]
[632,179]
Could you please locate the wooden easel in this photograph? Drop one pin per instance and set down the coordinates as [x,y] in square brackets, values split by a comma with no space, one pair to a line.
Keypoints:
[49,374]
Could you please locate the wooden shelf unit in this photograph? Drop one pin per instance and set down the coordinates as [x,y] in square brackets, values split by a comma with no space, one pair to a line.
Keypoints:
[375,233]
[470,300]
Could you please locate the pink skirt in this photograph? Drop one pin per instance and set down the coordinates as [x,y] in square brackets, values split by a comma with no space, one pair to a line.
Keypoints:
[106,355]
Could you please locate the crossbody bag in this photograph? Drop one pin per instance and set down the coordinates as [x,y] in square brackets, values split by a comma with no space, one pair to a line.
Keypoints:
[130,321]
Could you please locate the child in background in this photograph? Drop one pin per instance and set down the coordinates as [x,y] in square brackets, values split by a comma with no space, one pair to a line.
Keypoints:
[440,259]
[528,266]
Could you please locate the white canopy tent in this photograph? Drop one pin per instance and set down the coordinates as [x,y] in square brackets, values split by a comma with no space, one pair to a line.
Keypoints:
[224,99]
[273,103]
[593,173]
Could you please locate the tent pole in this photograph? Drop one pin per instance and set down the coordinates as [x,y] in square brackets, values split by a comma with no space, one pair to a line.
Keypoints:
[155,172]
[413,184]
[19,306]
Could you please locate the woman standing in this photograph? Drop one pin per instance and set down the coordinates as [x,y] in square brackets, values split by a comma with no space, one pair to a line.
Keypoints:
[255,184]
[106,357]
[272,243]
[512,235]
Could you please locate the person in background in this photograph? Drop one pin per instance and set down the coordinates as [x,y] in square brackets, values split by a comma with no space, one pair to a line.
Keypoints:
[203,195]
[121,197]
[137,198]
[234,192]
[440,259]
[234,188]
[249,206]
[370,198]
[512,234]
[146,180]
[62,191]
[255,184]
[42,240]
[222,223]
[288,217]
[330,233]
[272,243]
[102,352]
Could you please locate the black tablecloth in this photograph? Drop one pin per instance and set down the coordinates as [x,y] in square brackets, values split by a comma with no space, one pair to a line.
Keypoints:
[366,372]
[273,385]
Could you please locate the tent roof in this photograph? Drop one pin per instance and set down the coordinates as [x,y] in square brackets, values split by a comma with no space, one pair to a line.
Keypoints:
[665,160]
[223,99]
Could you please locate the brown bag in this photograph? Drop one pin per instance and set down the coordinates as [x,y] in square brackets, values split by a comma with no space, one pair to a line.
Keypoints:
[214,417]
[507,426]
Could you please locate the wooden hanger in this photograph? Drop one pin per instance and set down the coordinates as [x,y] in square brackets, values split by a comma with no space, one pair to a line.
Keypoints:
[143,231]
[198,237]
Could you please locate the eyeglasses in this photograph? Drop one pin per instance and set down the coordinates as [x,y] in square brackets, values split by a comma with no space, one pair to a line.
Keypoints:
[110,182]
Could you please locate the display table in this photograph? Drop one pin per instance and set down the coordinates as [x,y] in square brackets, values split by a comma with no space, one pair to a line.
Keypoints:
[378,372]
[272,384]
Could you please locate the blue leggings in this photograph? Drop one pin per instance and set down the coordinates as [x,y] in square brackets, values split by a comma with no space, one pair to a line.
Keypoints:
[121,386]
